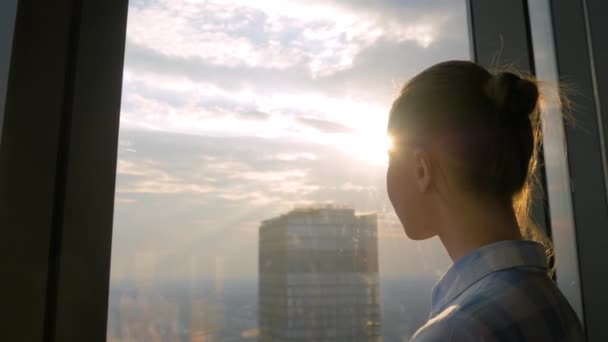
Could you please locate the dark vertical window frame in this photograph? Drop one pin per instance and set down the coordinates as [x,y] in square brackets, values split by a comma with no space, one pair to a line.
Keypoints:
[596,26]
[90,168]
[470,16]
[28,162]
[58,166]
[574,61]
[61,175]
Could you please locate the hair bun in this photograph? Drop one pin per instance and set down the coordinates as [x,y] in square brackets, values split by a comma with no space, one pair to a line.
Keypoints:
[514,97]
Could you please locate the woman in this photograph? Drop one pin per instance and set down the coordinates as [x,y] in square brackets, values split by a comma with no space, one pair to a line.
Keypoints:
[465,144]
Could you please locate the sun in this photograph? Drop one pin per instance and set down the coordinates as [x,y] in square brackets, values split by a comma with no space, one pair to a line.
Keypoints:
[368,147]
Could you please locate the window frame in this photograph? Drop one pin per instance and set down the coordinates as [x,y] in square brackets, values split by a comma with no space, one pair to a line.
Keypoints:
[57,168]
[575,23]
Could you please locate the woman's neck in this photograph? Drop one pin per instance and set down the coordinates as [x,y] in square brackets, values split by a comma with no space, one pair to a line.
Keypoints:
[467,227]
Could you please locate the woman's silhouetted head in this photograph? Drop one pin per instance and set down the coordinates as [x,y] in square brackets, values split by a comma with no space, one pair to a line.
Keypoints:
[461,134]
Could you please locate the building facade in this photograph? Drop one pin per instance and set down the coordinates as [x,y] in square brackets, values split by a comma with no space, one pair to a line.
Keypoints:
[318,276]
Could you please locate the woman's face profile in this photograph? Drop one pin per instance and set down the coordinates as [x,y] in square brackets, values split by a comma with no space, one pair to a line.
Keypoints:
[407,187]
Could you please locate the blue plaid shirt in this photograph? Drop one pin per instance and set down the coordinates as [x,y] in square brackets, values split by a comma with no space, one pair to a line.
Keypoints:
[500,292]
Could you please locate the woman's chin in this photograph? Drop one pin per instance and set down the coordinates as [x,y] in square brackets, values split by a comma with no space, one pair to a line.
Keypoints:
[417,234]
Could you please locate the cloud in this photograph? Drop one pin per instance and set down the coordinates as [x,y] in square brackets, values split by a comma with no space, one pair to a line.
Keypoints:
[124,200]
[294,156]
[271,176]
[190,94]
[324,125]
[252,198]
[222,33]
[147,179]
[251,179]
[322,37]
[358,188]
[205,109]
[252,114]
[277,69]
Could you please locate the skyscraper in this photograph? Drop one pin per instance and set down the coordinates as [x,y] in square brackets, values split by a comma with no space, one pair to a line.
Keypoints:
[318,276]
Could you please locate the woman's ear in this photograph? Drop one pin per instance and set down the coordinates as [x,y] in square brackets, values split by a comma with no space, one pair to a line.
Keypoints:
[422,169]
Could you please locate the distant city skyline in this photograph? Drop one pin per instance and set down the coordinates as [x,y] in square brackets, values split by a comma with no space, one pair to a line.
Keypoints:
[193,312]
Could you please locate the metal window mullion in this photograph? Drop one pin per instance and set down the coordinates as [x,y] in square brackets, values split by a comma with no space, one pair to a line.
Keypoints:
[90,167]
[584,158]
[31,131]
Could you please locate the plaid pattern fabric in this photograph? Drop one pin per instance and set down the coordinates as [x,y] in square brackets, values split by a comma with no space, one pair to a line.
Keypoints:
[500,292]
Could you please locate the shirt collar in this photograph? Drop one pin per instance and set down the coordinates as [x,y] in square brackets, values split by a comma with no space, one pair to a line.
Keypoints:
[477,264]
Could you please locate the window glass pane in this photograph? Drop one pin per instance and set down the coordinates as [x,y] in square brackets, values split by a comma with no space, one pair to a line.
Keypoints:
[556,160]
[250,199]
[8,12]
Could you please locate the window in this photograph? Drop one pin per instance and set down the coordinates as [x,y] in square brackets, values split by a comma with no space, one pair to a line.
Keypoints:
[556,160]
[250,180]
[8,11]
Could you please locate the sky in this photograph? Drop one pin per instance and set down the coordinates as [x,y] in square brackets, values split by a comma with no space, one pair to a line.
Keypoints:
[236,111]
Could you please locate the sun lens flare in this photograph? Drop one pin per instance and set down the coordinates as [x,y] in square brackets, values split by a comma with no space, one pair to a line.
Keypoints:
[369,148]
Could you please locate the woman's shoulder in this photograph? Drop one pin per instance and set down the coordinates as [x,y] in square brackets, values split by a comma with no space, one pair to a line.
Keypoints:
[452,324]
[514,304]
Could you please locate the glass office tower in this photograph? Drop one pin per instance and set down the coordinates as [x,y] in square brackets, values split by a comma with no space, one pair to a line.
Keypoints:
[319,276]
